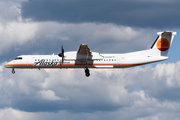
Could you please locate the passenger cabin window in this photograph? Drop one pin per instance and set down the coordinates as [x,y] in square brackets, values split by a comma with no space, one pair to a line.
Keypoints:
[18,58]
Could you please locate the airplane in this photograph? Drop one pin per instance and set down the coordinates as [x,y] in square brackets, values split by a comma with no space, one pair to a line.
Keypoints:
[84,58]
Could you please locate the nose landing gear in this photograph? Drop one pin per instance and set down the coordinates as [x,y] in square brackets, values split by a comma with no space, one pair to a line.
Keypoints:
[13,71]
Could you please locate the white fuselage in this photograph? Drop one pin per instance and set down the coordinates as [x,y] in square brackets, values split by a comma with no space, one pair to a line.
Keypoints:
[71,60]
[84,58]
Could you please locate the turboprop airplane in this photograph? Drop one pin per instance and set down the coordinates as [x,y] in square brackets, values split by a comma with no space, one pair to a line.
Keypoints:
[84,58]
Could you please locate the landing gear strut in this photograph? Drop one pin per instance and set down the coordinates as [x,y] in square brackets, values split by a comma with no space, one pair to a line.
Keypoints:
[13,71]
[87,73]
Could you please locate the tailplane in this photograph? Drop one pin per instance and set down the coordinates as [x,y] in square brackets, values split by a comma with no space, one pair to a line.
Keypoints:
[162,44]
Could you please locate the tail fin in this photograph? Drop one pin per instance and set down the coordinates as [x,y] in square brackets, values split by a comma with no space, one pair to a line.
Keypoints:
[162,44]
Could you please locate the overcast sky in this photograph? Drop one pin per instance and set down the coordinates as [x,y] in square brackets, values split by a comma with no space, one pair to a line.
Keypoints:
[148,92]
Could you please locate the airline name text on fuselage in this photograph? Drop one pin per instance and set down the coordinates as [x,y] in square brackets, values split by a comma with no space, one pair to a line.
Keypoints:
[43,63]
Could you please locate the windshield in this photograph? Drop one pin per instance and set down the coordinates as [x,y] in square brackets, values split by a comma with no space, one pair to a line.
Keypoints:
[18,58]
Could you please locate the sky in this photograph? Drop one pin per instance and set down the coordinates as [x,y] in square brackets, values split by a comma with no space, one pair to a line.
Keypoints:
[36,27]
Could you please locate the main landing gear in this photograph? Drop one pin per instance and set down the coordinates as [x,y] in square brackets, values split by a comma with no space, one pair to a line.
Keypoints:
[13,71]
[87,73]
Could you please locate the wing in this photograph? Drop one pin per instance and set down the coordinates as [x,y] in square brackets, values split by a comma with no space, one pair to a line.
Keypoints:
[85,53]
[84,50]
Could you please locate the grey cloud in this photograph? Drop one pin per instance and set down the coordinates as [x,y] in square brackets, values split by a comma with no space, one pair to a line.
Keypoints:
[13,114]
[107,94]
[132,13]
[10,11]
[47,38]
[105,90]
[164,79]
[21,91]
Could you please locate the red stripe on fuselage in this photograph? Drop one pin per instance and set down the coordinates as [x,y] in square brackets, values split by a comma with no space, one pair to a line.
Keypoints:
[73,65]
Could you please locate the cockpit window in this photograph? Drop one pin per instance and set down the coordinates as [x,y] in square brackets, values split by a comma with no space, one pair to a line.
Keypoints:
[18,58]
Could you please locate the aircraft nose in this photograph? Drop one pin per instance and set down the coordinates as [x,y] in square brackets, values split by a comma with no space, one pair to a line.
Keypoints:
[8,65]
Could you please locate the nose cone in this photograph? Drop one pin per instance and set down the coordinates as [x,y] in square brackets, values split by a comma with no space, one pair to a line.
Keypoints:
[8,65]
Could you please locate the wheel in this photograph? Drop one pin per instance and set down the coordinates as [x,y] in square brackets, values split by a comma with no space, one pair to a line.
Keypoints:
[13,71]
[87,72]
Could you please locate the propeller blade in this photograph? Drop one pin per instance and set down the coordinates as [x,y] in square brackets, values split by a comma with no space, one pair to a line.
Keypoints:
[62,49]
[62,59]
[62,54]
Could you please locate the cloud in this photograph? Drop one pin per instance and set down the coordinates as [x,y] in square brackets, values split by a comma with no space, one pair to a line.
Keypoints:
[12,114]
[135,13]
[16,34]
[146,92]
[143,108]
[48,95]
[47,37]
[111,91]
[10,10]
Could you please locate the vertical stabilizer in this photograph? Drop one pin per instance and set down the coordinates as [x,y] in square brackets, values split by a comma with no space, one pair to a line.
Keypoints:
[162,44]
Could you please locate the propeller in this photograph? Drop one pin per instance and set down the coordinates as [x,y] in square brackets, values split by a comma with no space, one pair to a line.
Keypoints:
[61,54]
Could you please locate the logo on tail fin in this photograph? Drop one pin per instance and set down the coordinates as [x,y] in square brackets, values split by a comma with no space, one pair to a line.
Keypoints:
[163,44]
